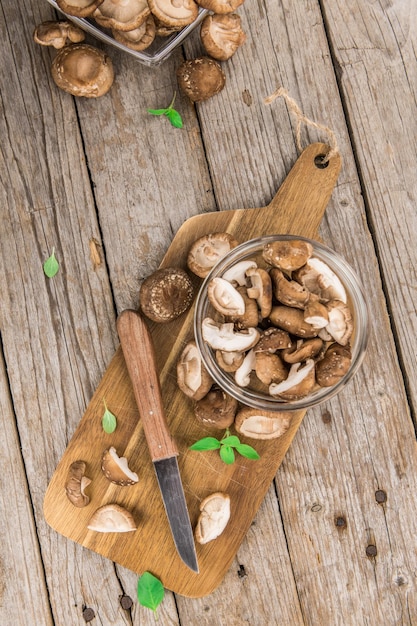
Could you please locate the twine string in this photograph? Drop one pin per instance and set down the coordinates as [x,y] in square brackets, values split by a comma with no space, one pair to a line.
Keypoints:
[301,118]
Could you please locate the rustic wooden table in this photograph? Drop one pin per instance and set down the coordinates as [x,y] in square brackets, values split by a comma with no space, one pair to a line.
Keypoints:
[335,540]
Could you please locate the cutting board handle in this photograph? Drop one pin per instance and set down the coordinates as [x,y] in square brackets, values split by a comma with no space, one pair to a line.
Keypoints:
[139,354]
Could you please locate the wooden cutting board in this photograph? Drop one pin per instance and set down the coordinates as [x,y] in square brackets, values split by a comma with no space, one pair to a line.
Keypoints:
[297,209]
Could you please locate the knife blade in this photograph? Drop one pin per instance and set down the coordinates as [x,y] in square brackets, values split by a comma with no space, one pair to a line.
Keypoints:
[139,354]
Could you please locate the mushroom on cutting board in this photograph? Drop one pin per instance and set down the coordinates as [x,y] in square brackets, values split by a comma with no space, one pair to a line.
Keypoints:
[57,34]
[217,409]
[192,377]
[214,516]
[165,294]
[116,468]
[82,70]
[200,78]
[258,424]
[76,483]
[112,518]
[207,250]
[222,35]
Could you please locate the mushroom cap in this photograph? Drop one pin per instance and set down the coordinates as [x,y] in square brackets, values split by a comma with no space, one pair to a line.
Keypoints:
[222,35]
[78,8]
[288,292]
[207,250]
[112,518]
[316,314]
[220,6]
[83,70]
[166,294]
[273,339]
[214,516]
[225,298]
[260,289]
[250,316]
[334,365]
[200,78]
[192,377]
[229,361]
[298,384]
[340,326]
[116,468]
[176,13]
[287,255]
[319,278]
[139,38]
[76,483]
[292,320]
[122,14]
[269,368]
[301,350]
[57,34]
[217,409]
[259,424]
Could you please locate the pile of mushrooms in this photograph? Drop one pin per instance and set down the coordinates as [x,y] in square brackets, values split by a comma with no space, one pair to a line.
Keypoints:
[281,324]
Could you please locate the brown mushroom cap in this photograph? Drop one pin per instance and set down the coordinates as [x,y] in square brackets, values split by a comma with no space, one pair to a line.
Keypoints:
[78,8]
[292,320]
[229,361]
[139,38]
[125,15]
[214,516]
[287,255]
[200,78]
[216,409]
[301,350]
[192,377]
[260,289]
[258,424]
[166,294]
[76,483]
[220,6]
[83,70]
[334,365]
[221,35]
[116,468]
[176,13]
[112,518]
[288,292]
[273,339]
[298,384]
[269,368]
[57,34]
[207,250]
[250,317]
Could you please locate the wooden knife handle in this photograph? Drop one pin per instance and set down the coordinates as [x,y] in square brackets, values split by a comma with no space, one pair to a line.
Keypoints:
[139,354]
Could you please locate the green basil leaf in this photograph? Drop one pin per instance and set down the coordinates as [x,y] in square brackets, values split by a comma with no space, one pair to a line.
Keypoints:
[51,265]
[108,421]
[174,117]
[157,111]
[232,440]
[150,591]
[227,455]
[247,451]
[207,443]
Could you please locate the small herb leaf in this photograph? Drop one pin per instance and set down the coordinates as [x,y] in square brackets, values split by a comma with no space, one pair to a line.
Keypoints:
[232,440]
[150,591]
[174,117]
[227,455]
[51,265]
[108,420]
[247,451]
[207,443]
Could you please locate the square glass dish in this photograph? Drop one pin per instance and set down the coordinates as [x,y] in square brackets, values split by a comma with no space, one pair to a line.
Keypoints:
[158,51]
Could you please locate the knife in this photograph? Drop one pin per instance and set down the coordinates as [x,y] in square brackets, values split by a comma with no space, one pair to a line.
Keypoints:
[139,355]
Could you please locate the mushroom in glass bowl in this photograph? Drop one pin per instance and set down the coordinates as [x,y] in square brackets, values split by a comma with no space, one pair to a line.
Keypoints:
[316,329]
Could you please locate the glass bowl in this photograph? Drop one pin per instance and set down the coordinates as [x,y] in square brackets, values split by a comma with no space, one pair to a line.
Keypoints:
[250,395]
[157,52]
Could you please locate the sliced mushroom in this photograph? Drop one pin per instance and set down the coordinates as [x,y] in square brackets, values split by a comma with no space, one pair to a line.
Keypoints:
[242,374]
[340,326]
[174,12]
[299,383]
[78,8]
[250,317]
[334,365]
[319,278]
[83,70]
[269,368]
[122,14]
[229,361]
[288,292]
[166,294]
[200,78]
[220,6]
[116,469]
[258,424]
[301,350]
[217,409]
[192,377]
[237,273]
[138,39]
[207,251]
[260,289]
[224,337]
[287,255]
[273,339]
[57,34]
[316,314]
[112,518]
[214,516]
[225,298]
[76,483]
[222,35]
[292,320]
